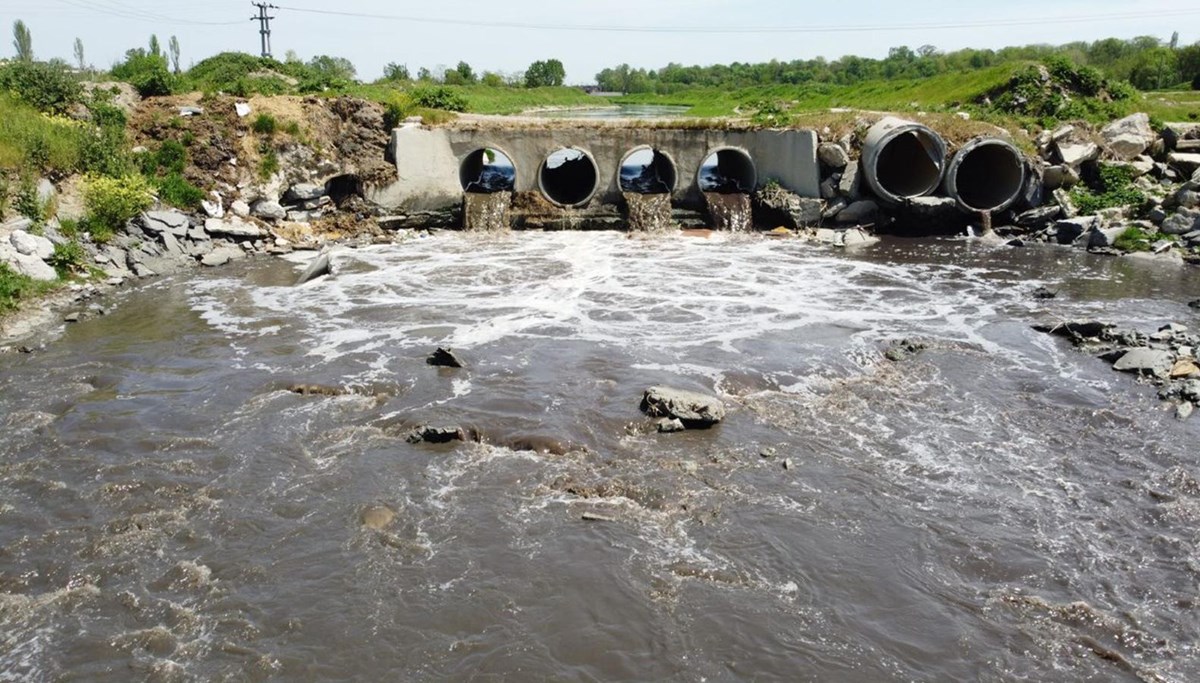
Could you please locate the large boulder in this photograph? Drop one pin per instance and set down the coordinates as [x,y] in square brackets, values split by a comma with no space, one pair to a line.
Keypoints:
[1129,137]
[267,209]
[232,227]
[691,408]
[1186,164]
[1068,230]
[1181,223]
[31,245]
[775,205]
[1074,154]
[850,185]
[862,211]
[303,192]
[28,265]
[156,222]
[833,155]
[1154,362]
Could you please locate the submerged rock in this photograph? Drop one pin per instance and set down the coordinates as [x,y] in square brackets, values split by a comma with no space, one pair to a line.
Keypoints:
[904,349]
[429,434]
[317,390]
[693,409]
[321,265]
[445,358]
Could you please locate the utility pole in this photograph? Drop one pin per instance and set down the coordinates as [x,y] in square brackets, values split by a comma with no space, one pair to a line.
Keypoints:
[264,25]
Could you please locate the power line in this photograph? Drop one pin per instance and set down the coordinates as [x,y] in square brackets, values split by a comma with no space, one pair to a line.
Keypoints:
[846,28]
[117,10]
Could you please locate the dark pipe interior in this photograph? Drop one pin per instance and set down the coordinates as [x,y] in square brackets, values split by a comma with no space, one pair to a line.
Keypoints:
[988,177]
[568,177]
[342,187]
[487,170]
[728,171]
[647,171]
[907,165]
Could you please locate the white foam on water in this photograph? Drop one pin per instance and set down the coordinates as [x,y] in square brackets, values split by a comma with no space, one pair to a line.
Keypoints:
[604,288]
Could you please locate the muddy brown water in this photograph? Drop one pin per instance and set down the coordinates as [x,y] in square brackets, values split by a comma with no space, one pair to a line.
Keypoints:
[999,508]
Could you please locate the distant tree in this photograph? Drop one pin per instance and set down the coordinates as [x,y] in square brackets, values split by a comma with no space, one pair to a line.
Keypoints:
[541,74]
[452,77]
[423,74]
[1174,40]
[927,51]
[22,41]
[466,72]
[396,72]
[173,46]
[290,57]
[79,54]
[492,79]
[1155,69]
[333,68]
[155,48]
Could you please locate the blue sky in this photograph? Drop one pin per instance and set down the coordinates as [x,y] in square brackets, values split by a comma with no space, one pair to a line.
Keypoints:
[867,28]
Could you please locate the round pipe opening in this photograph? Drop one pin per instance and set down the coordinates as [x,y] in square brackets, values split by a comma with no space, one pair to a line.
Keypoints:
[568,177]
[727,171]
[902,160]
[487,170]
[986,175]
[646,170]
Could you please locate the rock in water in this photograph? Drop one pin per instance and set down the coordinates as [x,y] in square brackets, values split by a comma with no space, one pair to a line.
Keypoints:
[428,434]
[694,410]
[378,517]
[1194,304]
[1044,293]
[1146,362]
[445,358]
[321,265]
[670,425]
[903,349]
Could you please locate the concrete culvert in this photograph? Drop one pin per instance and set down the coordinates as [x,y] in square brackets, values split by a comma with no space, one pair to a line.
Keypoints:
[568,177]
[902,160]
[646,170]
[487,170]
[986,174]
[728,171]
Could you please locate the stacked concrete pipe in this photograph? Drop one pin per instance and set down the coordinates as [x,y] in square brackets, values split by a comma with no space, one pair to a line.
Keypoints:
[902,160]
[986,175]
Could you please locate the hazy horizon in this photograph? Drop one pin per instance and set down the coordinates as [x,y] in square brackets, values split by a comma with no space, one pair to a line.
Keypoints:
[507,38]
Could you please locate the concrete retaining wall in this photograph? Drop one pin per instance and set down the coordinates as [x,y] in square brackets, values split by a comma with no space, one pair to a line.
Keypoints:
[427,159]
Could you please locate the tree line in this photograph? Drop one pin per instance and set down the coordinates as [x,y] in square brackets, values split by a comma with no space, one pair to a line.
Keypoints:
[1146,62]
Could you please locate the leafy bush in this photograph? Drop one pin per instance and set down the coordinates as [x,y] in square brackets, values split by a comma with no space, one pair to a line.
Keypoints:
[1113,188]
[439,97]
[32,142]
[264,124]
[51,87]
[110,202]
[68,259]
[269,164]
[27,203]
[146,71]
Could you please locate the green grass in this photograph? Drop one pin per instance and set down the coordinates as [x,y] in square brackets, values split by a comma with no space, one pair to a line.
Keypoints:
[15,288]
[33,142]
[483,99]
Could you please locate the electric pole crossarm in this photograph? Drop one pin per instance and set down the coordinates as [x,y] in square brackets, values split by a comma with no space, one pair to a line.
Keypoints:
[264,25]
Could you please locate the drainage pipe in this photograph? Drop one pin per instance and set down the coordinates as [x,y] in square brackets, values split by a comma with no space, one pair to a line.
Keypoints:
[733,172]
[986,174]
[572,180]
[658,176]
[902,160]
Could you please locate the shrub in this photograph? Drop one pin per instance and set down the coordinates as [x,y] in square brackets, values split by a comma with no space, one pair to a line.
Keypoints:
[264,124]
[27,203]
[148,72]
[439,97]
[48,86]
[269,164]
[111,202]
[68,259]
[33,142]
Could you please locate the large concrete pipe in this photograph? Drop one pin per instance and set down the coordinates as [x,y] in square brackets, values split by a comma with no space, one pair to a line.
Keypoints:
[902,160]
[646,170]
[487,170]
[569,177]
[727,170]
[986,174]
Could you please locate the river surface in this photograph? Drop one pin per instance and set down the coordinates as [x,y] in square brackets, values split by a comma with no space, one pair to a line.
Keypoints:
[622,111]
[998,508]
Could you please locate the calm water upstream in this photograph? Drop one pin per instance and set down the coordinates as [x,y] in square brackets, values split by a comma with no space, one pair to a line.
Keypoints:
[623,111]
[1000,508]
